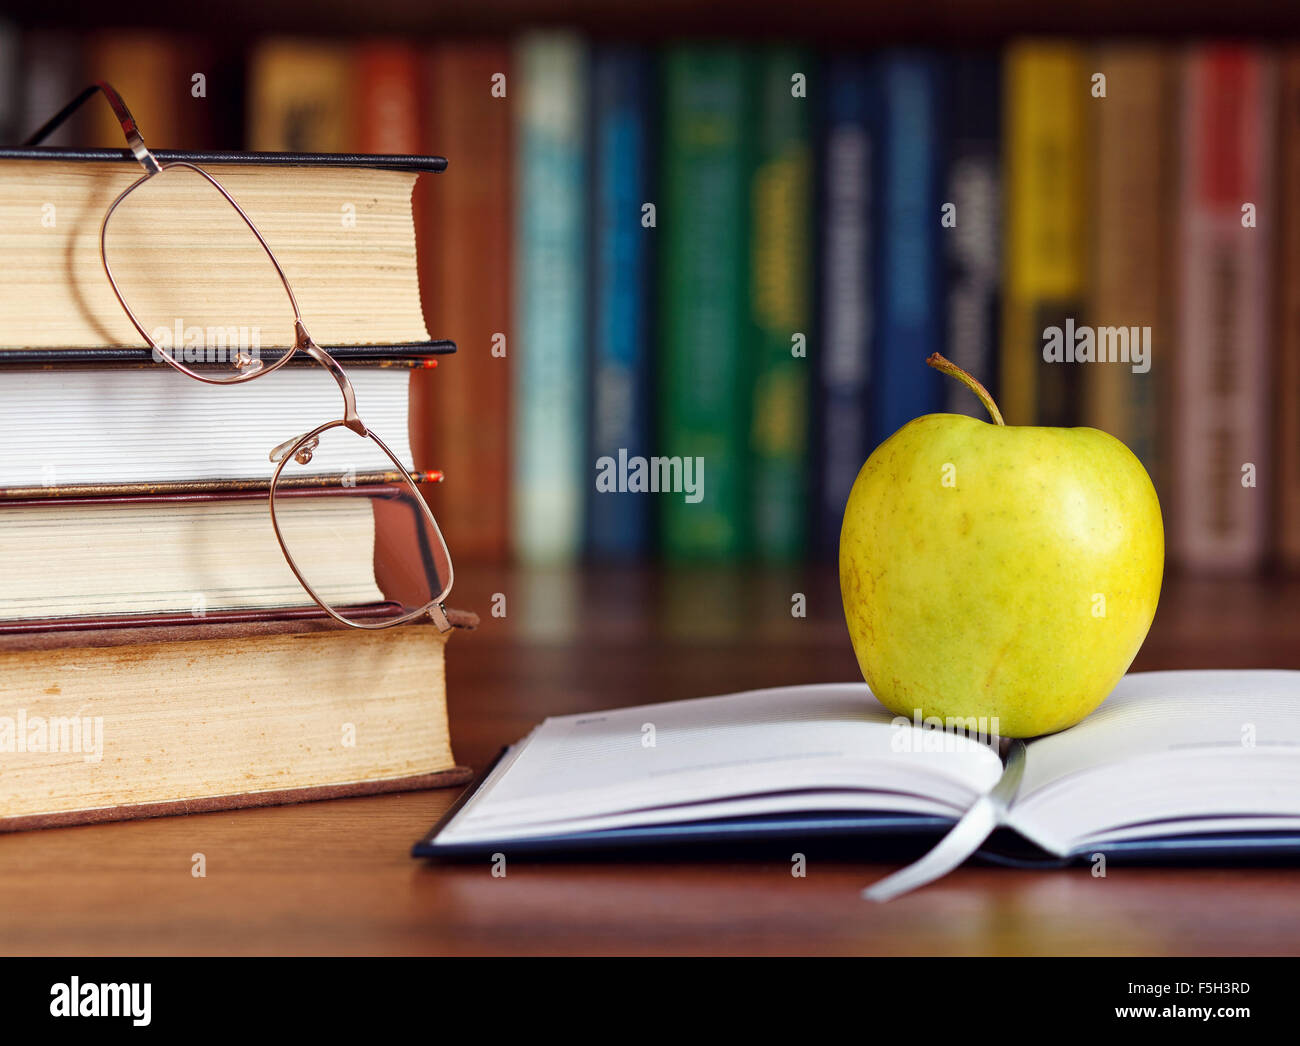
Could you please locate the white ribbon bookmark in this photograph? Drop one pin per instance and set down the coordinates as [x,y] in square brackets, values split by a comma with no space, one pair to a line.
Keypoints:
[962,840]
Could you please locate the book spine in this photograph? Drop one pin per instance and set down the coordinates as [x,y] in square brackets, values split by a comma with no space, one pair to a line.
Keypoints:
[849,138]
[1044,93]
[550,286]
[1287,386]
[618,521]
[703,380]
[163,77]
[387,103]
[10,99]
[51,77]
[1221,386]
[1131,171]
[908,269]
[301,97]
[972,241]
[465,225]
[780,202]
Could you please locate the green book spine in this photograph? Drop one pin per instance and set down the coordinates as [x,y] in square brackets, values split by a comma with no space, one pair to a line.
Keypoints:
[704,283]
[780,265]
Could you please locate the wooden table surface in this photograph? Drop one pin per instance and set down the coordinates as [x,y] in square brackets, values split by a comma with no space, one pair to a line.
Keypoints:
[336,878]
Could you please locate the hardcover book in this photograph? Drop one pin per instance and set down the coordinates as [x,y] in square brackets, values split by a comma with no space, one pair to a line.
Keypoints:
[117,426]
[183,716]
[206,550]
[52,204]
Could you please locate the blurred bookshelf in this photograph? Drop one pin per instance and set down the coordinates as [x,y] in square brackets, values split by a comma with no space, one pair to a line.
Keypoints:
[819,216]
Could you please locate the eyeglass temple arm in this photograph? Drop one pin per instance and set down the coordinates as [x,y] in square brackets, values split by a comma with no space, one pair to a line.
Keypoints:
[123,114]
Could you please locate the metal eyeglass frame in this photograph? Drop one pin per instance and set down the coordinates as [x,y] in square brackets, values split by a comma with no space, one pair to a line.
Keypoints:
[299,448]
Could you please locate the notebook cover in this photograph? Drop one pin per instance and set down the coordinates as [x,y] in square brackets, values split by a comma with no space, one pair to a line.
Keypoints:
[891,831]
[727,834]
[845,829]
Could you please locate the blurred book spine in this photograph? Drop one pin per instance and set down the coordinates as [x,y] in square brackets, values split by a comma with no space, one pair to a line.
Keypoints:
[550,295]
[51,77]
[848,140]
[622,240]
[973,241]
[1132,170]
[1221,382]
[387,79]
[1045,89]
[1287,386]
[704,368]
[301,97]
[144,67]
[908,270]
[779,304]
[466,242]
[10,83]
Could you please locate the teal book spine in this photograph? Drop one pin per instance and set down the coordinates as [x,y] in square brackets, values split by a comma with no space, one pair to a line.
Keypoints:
[549,345]
[704,361]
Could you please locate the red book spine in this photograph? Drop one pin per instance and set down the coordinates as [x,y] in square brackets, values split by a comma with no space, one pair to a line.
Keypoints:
[465,257]
[1287,386]
[1219,511]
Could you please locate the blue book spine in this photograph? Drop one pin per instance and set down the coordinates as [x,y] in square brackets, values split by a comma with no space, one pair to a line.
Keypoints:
[849,137]
[618,522]
[548,348]
[972,244]
[909,266]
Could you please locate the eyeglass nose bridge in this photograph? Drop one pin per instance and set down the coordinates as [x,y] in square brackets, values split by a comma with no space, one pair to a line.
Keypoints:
[350,417]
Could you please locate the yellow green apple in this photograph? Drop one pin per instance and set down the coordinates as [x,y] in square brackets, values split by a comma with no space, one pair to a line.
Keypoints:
[999,571]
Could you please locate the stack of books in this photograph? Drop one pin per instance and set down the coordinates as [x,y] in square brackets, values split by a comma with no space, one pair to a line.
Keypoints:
[157,653]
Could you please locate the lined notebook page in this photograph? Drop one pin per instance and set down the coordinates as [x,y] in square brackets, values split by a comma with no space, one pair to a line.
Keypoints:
[762,751]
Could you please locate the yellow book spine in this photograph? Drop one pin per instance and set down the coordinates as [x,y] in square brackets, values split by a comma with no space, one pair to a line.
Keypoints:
[1046,90]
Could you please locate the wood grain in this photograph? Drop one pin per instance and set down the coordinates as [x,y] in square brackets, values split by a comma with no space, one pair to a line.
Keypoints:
[335,877]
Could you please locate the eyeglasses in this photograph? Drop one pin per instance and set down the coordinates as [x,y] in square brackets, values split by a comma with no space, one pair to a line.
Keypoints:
[321,542]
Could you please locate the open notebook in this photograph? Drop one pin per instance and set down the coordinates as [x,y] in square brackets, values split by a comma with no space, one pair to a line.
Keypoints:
[1173,764]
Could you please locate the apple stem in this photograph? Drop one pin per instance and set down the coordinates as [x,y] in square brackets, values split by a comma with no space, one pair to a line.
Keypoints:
[946,366]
